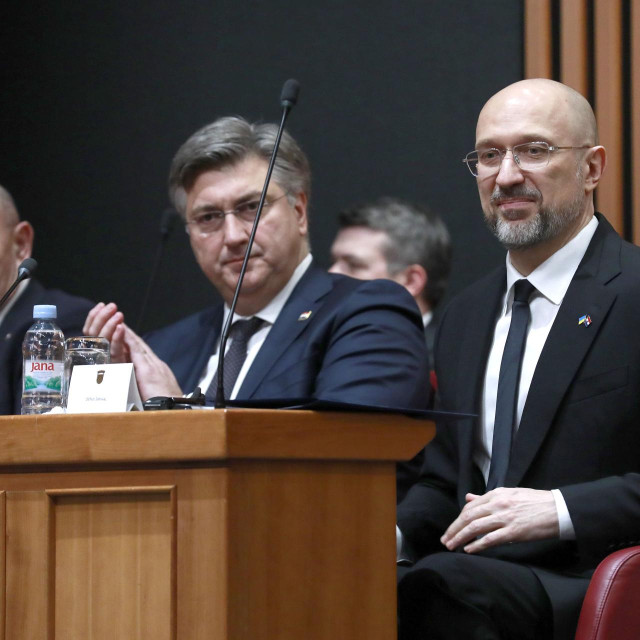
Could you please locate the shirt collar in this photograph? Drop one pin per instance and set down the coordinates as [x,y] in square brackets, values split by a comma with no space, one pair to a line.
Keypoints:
[553,277]
[272,310]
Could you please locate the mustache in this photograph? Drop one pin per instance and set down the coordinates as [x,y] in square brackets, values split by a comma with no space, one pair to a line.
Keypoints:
[517,191]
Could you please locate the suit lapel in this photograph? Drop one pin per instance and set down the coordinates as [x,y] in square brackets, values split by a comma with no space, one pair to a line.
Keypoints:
[476,336]
[307,296]
[203,345]
[567,345]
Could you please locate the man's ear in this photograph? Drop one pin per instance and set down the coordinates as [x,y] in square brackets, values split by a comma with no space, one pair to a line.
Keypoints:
[413,278]
[22,241]
[300,207]
[596,159]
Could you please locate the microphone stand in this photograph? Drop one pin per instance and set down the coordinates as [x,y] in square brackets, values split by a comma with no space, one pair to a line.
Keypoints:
[25,270]
[166,225]
[288,99]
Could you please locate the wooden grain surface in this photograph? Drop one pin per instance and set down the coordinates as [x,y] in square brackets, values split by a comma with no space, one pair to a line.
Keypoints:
[161,436]
[250,525]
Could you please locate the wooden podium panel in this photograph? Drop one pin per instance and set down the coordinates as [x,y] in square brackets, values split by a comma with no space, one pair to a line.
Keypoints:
[237,524]
[113,562]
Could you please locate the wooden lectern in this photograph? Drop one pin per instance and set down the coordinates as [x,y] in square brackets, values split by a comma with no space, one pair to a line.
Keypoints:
[213,525]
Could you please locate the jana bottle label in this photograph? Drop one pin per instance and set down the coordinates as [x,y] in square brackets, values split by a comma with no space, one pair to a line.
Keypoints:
[43,375]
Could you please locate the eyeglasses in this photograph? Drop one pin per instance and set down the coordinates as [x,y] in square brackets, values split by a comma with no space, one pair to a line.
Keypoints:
[212,220]
[528,156]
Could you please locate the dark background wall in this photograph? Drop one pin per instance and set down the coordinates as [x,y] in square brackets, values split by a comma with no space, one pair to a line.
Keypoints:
[97,97]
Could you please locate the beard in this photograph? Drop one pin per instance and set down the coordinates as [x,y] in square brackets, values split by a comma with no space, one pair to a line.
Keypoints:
[548,222]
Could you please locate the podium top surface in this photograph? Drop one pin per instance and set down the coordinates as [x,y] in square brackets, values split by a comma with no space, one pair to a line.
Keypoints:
[200,436]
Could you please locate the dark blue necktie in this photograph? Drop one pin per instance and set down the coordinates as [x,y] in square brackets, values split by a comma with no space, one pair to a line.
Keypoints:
[240,334]
[508,382]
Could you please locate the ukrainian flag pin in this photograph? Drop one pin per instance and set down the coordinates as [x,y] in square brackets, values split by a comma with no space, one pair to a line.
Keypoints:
[584,320]
[304,316]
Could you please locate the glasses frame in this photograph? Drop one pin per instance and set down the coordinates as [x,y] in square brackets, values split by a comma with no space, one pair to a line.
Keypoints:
[516,158]
[235,211]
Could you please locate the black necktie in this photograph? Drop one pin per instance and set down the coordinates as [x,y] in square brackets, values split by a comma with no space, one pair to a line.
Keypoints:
[241,332]
[508,383]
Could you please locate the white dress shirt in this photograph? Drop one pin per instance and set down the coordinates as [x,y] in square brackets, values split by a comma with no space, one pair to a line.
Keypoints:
[269,314]
[551,279]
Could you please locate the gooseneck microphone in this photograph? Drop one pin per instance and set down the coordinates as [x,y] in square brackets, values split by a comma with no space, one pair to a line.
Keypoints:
[166,226]
[25,270]
[288,99]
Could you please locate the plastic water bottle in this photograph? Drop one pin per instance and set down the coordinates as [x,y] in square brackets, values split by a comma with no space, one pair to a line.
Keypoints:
[43,362]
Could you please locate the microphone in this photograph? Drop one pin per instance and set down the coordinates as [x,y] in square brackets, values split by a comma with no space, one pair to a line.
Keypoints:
[25,271]
[289,94]
[288,99]
[166,226]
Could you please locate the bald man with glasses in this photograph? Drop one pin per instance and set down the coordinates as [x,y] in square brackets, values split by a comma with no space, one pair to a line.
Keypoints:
[514,509]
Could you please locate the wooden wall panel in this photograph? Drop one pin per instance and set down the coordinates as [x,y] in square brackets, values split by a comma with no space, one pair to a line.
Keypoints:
[45,514]
[537,38]
[3,564]
[113,552]
[609,107]
[202,566]
[27,566]
[261,495]
[635,117]
[593,47]
[574,51]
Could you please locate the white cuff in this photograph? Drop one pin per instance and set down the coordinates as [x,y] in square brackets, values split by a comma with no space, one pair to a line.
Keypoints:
[567,531]
[404,555]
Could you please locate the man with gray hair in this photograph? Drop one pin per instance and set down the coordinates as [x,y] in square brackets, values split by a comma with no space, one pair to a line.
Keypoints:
[16,244]
[298,331]
[397,240]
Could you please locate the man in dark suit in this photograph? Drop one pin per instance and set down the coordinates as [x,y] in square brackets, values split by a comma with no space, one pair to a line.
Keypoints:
[16,243]
[317,335]
[530,496]
[400,241]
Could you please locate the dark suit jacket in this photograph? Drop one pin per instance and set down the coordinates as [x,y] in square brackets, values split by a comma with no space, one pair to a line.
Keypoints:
[580,428]
[72,312]
[363,343]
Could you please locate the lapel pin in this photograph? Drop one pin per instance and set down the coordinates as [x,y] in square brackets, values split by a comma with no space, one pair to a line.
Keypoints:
[585,320]
[304,316]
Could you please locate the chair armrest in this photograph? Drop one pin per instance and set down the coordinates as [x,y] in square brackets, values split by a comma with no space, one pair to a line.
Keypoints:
[611,607]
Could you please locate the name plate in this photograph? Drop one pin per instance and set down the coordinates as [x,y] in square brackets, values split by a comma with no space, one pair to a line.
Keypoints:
[103,388]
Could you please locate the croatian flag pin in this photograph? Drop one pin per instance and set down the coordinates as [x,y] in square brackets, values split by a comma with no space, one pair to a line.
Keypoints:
[585,320]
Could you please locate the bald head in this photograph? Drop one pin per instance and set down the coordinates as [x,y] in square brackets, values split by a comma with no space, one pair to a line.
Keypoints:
[8,211]
[554,104]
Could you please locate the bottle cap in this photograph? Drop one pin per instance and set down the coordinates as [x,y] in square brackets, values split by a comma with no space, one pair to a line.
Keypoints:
[45,311]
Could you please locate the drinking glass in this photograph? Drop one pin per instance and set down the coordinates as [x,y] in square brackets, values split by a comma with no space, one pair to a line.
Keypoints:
[83,350]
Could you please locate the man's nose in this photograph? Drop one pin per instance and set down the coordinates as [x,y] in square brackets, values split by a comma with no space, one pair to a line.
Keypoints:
[235,231]
[509,172]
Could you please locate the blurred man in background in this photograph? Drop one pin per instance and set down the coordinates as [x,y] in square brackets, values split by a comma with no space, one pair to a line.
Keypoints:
[396,240]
